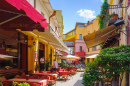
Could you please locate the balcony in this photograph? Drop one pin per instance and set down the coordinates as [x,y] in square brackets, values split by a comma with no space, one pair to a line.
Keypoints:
[112,15]
[70,36]
[80,53]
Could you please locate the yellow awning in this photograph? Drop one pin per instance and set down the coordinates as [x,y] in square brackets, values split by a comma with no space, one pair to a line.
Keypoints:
[98,36]
[51,37]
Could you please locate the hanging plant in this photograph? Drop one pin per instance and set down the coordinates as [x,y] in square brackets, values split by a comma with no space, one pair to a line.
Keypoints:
[102,15]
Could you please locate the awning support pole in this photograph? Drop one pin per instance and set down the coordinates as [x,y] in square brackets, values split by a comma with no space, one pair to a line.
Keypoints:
[10,19]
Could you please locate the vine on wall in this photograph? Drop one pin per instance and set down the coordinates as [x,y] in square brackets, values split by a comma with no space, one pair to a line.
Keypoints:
[102,15]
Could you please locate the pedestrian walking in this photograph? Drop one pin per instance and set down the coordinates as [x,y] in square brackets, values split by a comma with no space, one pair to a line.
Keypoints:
[42,64]
[55,65]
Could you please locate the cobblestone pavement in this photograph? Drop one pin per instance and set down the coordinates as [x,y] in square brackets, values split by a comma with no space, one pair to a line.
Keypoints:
[75,81]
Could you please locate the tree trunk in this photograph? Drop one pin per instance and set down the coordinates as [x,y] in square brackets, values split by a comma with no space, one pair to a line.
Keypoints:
[126,78]
[121,78]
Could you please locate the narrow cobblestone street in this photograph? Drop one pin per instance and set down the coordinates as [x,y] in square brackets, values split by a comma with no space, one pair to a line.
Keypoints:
[75,81]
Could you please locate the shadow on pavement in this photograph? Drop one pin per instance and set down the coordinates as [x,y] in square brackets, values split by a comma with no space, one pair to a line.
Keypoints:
[78,83]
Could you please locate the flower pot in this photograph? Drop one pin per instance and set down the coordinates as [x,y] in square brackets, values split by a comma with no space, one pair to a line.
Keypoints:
[115,16]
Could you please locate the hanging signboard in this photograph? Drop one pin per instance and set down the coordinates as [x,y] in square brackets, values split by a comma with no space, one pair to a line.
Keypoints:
[35,56]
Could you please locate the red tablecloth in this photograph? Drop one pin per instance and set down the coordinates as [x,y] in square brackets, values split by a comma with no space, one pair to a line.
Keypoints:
[47,74]
[63,72]
[41,82]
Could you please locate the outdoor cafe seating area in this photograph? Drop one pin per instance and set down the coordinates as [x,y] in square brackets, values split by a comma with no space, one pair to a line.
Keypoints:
[41,78]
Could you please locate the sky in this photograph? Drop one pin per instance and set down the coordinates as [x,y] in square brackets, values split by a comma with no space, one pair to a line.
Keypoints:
[76,11]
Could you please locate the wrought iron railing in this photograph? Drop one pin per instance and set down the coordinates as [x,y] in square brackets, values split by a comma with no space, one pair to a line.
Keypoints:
[108,14]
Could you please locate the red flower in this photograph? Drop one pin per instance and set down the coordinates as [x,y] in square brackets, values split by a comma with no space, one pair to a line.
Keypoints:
[105,10]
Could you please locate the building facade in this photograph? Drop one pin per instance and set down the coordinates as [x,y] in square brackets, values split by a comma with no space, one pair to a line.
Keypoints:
[76,36]
[32,41]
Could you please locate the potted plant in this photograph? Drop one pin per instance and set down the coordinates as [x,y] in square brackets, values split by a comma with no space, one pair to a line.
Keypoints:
[20,84]
[115,16]
[47,64]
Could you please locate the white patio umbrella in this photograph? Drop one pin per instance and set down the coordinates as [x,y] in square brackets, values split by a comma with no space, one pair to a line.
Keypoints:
[6,56]
[69,57]
[92,56]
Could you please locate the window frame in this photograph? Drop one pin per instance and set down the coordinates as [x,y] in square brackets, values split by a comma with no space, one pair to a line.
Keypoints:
[80,36]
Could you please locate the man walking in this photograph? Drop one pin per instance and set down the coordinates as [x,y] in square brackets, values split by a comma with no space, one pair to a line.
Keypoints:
[55,65]
[42,64]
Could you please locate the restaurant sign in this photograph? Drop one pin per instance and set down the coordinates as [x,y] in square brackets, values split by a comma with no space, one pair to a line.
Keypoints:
[35,56]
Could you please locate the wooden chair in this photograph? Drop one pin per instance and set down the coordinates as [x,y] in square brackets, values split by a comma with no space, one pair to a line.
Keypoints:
[17,76]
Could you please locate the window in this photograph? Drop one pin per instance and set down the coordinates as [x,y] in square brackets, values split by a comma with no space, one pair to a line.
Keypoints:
[80,48]
[97,47]
[64,36]
[80,25]
[87,59]
[94,48]
[80,36]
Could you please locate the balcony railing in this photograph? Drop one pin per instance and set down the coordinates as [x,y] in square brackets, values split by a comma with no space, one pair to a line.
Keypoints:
[69,34]
[115,9]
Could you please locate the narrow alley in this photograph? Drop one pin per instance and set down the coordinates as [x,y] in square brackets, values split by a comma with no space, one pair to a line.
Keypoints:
[75,81]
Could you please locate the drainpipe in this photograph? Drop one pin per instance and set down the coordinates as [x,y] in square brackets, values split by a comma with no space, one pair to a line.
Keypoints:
[54,13]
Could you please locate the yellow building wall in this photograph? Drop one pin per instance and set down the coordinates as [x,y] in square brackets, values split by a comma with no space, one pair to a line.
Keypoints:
[60,21]
[30,55]
[90,29]
[80,30]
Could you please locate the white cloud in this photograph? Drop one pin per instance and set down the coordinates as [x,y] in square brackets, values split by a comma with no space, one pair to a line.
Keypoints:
[87,14]
[102,0]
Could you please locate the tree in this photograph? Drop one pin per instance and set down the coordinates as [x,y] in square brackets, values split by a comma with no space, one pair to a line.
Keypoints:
[91,74]
[115,62]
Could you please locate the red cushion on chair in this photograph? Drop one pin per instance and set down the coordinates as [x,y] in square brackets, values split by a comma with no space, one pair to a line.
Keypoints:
[40,71]
[47,72]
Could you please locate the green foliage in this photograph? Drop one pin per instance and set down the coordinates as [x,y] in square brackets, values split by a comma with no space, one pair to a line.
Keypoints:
[113,61]
[71,65]
[60,64]
[91,74]
[64,64]
[47,64]
[102,15]
[0,82]
[20,84]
